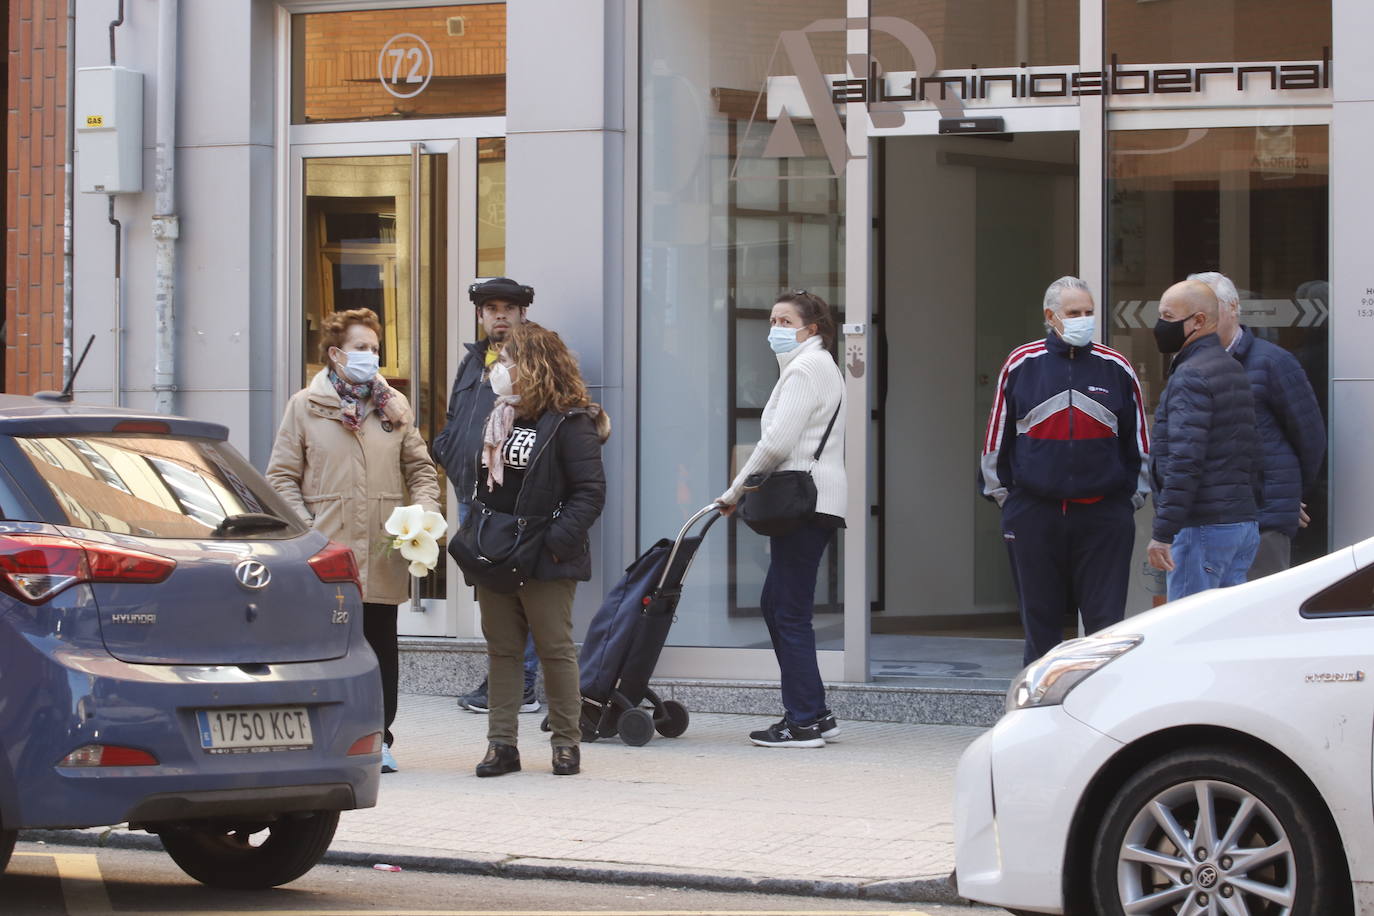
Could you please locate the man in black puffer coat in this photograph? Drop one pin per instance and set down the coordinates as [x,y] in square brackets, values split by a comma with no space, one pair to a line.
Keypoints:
[1204,469]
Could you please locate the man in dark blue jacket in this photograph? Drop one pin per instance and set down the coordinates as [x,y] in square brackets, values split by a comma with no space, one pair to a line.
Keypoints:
[1291,432]
[501,305]
[1065,457]
[1205,467]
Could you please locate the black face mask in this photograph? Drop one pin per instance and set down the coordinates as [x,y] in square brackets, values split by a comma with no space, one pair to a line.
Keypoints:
[1170,335]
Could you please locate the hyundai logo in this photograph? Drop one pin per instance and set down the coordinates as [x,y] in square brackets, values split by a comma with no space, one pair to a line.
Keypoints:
[252,574]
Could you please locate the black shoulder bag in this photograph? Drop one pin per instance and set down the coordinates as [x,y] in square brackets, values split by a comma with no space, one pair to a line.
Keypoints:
[498,550]
[783,501]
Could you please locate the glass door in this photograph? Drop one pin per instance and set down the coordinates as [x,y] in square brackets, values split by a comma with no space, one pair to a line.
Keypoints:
[402,229]
[971,231]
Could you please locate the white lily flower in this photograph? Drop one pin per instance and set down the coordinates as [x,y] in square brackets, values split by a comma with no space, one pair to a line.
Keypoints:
[420,570]
[405,521]
[434,524]
[421,548]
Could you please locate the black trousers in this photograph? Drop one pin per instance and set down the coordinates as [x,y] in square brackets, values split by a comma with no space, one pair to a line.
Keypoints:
[1068,559]
[379,626]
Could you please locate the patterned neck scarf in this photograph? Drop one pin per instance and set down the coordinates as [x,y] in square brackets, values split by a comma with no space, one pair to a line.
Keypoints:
[353,400]
[494,435]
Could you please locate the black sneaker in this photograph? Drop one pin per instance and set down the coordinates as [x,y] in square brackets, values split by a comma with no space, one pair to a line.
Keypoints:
[475,701]
[830,729]
[530,702]
[788,734]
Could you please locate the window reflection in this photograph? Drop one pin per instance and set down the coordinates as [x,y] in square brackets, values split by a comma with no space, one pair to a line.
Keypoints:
[1171,31]
[983,33]
[1251,202]
[395,64]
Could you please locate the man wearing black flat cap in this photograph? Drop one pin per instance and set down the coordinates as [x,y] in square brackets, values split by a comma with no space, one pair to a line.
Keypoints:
[501,305]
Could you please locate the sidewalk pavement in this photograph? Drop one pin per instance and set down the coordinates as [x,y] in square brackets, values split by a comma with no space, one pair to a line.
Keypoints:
[868,816]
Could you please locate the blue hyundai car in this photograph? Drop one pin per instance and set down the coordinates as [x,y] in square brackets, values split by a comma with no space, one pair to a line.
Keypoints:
[178,650]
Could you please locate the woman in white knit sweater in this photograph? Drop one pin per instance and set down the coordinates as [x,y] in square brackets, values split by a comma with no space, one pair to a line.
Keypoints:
[808,395]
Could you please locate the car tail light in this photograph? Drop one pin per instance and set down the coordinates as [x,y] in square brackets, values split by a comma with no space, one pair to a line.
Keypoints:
[34,567]
[368,744]
[108,755]
[336,563]
[142,426]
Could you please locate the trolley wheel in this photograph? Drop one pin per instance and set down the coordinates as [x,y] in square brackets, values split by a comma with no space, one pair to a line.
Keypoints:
[636,727]
[545,726]
[673,722]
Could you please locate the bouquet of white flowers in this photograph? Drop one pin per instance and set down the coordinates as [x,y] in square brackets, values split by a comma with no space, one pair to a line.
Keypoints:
[415,534]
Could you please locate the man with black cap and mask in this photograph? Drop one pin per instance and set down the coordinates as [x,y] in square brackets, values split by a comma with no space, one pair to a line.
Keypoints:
[501,305]
[1206,453]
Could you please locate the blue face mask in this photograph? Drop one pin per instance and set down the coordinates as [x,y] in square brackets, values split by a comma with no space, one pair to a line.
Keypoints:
[783,340]
[362,366]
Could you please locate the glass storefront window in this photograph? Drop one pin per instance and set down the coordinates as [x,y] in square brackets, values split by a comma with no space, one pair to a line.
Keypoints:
[970,34]
[491,207]
[727,225]
[1251,202]
[1169,31]
[396,64]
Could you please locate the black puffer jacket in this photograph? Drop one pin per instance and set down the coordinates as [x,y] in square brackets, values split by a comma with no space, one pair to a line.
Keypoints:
[1205,466]
[565,477]
[468,408]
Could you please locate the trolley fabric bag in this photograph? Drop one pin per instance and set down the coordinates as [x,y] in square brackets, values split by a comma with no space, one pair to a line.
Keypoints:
[612,631]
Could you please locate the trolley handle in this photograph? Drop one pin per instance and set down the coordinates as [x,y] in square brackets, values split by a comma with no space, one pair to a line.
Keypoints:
[713,511]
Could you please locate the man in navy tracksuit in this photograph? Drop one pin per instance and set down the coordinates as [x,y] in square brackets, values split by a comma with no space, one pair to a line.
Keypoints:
[1066,456]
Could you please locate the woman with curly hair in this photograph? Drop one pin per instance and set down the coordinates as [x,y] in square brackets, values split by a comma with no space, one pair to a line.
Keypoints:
[347,453]
[541,456]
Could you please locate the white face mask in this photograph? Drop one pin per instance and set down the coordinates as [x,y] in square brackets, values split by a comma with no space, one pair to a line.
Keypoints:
[499,376]
[360,366]
[1078,332]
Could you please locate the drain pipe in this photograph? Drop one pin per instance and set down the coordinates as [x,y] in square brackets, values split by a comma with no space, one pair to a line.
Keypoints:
[117,382]
[69,189]
[165,225]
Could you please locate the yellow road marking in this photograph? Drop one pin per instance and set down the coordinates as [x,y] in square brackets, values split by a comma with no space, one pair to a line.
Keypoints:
[83,887]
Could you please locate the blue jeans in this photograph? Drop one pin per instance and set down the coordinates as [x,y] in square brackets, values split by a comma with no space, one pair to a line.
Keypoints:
[1212,556]
[789,601]
[531,657]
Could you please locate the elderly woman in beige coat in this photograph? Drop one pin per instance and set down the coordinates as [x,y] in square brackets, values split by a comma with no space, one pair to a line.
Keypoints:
[346,455]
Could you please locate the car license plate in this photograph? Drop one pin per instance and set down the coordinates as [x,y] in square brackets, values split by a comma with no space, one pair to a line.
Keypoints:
[244,731]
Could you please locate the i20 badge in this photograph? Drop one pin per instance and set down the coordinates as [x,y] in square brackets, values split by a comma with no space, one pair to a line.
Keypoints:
[252,574]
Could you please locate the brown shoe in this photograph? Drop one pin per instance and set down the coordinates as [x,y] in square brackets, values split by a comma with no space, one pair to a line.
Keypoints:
[567,761]
[500,760]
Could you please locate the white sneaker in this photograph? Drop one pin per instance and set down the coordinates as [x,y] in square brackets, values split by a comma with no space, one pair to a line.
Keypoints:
[388,761]
[530,703]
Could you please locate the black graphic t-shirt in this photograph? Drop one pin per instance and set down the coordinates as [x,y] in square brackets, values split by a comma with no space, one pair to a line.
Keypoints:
[516,455]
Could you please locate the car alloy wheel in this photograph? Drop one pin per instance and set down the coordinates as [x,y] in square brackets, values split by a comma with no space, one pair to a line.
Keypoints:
[1213,831]
[1201,843]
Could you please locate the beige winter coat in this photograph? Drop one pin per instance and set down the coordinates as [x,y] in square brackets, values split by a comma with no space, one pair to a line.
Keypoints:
[345,484]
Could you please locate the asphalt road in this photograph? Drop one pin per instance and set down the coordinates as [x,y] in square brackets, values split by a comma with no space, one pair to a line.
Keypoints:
[83,881]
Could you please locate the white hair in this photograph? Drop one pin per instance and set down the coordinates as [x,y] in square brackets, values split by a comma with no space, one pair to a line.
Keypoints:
[1221,287]
[1055,291]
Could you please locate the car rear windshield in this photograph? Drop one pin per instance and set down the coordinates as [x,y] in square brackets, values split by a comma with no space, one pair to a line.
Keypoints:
[157,486]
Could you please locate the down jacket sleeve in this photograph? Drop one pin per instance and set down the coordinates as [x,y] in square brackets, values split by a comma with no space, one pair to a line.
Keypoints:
[579,454]
[1188,421]
[1298,414]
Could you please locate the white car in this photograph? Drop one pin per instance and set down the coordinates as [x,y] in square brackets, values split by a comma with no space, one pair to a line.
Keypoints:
[1212,756]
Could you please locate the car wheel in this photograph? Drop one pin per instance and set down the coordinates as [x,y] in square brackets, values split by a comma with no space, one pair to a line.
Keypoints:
[7,838]
[251,856]
[1213,830]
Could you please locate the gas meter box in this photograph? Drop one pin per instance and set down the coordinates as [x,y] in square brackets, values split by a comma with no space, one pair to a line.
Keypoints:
[109,130]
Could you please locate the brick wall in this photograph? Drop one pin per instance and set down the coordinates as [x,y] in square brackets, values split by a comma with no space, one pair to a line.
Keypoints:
[36,113]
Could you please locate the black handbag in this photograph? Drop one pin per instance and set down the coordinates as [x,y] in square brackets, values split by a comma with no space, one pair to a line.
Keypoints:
[784,500]
[498,550]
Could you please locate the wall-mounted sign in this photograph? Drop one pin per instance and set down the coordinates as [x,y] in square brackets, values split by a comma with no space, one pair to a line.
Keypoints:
[1257,313]
[405,65]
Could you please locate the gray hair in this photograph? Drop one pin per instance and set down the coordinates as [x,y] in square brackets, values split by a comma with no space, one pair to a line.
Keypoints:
[1221,287]
[1055,291]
